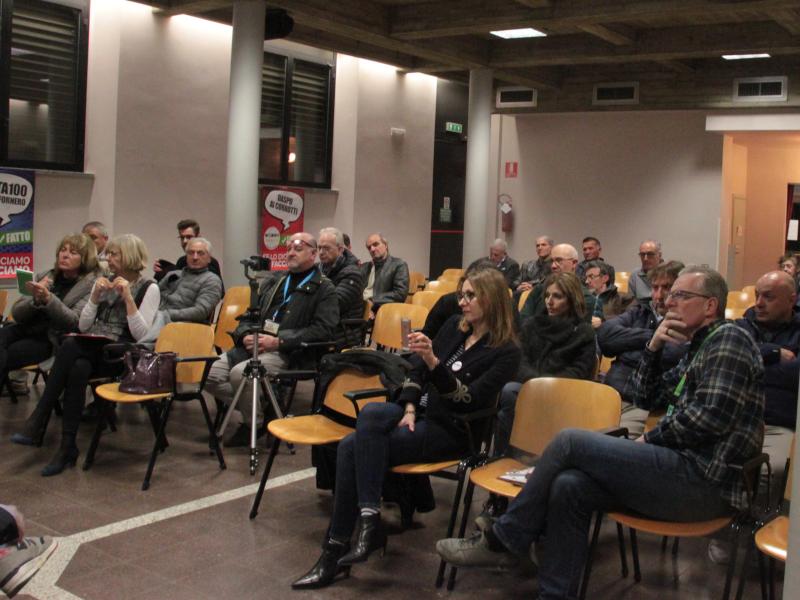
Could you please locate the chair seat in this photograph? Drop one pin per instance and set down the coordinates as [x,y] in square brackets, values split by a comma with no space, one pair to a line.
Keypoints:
[110,392]
[308,429]
[487,477]
[424,468]
[670,529]
[773,538]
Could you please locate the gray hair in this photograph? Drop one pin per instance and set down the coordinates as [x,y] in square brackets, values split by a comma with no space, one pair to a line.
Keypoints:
[547,239]
[656,242]
[713,285]
[598,264]
[96,225]
[202,240]
[500,243]
[335,233]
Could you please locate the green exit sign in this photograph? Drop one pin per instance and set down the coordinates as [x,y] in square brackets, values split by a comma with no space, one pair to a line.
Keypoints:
[453,127]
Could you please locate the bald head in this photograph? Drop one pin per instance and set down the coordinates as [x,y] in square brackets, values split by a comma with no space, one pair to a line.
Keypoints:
[301,252]
[564,257]
[775,298]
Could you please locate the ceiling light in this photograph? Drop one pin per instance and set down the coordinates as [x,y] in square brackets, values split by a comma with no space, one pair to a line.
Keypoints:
[513,34]
[744,56]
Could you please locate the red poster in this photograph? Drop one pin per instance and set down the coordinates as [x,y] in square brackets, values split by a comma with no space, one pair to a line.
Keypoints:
[511,169]
[281,218]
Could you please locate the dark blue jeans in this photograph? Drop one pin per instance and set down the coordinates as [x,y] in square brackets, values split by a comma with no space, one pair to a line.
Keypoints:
[506,409]
[364,457]
[17,349]
[581,472]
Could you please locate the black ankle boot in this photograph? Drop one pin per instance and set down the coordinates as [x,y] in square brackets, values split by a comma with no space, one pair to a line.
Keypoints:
[32,431]
[66,456]
[326,569]
[369,537]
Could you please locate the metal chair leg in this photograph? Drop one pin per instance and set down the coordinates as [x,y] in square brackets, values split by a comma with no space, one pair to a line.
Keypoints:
[675,546]
[726,592]
[257,500]
[772,593]
[587,569]
[159,445]
[664,541]
[637,573]
[462,528]
[462,474]
[623,555]
[212,436]
[98,431]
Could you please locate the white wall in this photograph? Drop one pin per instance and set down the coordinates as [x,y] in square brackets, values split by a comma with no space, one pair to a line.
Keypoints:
[621,177]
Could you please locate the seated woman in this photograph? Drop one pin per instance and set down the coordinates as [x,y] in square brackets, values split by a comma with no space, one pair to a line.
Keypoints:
[462,371]
[120,309]
[558,344]
[53,308]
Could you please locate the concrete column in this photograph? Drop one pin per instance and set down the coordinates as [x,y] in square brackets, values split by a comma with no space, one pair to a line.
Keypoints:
[244,122]
[478,145]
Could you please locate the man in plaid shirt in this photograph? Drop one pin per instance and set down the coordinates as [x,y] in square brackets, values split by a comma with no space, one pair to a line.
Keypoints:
[679,471]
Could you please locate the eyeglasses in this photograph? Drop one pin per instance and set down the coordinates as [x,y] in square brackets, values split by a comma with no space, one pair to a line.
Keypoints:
[682,295]
[593,276]
[648,254]
[297,245]
[560,259]
[326,248]
[466,297]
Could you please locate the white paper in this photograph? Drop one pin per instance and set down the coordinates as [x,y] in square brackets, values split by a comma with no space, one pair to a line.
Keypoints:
[792,233]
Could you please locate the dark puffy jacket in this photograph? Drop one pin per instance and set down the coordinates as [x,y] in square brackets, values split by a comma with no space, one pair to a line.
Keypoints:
[311,316]
[780,378]
[347,277]
[557,347]
[391,281]
[625,337]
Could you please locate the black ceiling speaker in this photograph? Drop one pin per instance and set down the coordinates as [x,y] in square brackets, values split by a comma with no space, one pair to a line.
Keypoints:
[278,25]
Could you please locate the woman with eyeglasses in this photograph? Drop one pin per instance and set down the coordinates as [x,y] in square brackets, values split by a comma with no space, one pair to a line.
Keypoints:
[460,371]
[557,344]
[52,308]
[121,308]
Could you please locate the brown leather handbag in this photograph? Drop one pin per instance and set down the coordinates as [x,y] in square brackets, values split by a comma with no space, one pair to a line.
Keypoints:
[148,372]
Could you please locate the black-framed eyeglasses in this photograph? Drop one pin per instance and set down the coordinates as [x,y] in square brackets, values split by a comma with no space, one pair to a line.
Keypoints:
[648,254]
[685,295]
[466,297]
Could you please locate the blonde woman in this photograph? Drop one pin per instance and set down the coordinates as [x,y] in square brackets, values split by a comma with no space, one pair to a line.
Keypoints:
[462,370]
[121,308]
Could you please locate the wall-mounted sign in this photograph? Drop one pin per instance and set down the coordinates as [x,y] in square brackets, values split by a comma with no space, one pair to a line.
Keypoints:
[16,221]
[453,127]
[512,168]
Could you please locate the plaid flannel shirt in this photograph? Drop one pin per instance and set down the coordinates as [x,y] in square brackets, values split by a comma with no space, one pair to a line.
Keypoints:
[718,419]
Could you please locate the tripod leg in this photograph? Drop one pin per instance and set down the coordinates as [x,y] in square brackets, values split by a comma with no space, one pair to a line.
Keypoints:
[231,409]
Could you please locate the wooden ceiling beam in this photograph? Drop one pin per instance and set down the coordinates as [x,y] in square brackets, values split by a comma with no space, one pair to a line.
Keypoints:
[652,45]
[677,66]
[788,19]
[464,17]
[618,35]
[192,7]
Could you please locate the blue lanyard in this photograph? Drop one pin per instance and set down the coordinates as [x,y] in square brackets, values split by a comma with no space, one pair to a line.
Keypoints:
[286,291]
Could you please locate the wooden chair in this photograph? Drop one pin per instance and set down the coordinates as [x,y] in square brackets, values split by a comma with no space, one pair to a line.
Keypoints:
[734,313]
[771,537]
[737,299]
[3,304]
[236,301]
[416,281]
[544,407]
[386,330]
[335,419]
[451,275]
[621,280]
[194,345]
[426,299]
[605,365]
[750,292]
[750,474]
[523,298]
[446,286]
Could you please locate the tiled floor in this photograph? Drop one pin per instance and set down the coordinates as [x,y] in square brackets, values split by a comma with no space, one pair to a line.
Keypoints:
[213,550]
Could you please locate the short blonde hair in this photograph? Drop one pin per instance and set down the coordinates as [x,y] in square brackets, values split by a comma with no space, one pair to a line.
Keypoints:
[133,252]
[83,245]
[491,292]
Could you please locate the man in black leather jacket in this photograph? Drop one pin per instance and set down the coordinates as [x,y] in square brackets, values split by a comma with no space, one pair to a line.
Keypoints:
[385,277]
[339,265]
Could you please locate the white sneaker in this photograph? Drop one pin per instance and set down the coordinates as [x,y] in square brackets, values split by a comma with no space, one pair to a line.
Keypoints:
[20,562]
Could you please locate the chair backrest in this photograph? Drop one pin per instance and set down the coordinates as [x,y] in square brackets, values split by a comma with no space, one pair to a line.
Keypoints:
[187,339]
[523,297]
[386,330]
[236,301]
[738,299]
[734,313]
[3,302]
[444,287]
[367,309]
[350,380]
[547,405]
[622,285]
[621,276]
[750,292]
[605,364]
[416,281]
[451,274]
[426,298]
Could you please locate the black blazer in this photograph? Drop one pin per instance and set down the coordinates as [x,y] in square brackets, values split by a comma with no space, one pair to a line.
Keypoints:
[470,384]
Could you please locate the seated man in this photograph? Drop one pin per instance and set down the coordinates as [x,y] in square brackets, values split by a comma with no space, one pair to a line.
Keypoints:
[774,324]
[650,256]
[498,255]
[99,235]
[533,272]
[385,277]
[678,471]
[192,293]
[591,253]
[625,337]
[187,229]
[564,260]
[339,265]
[20,557]
[297,307]
[610,302]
